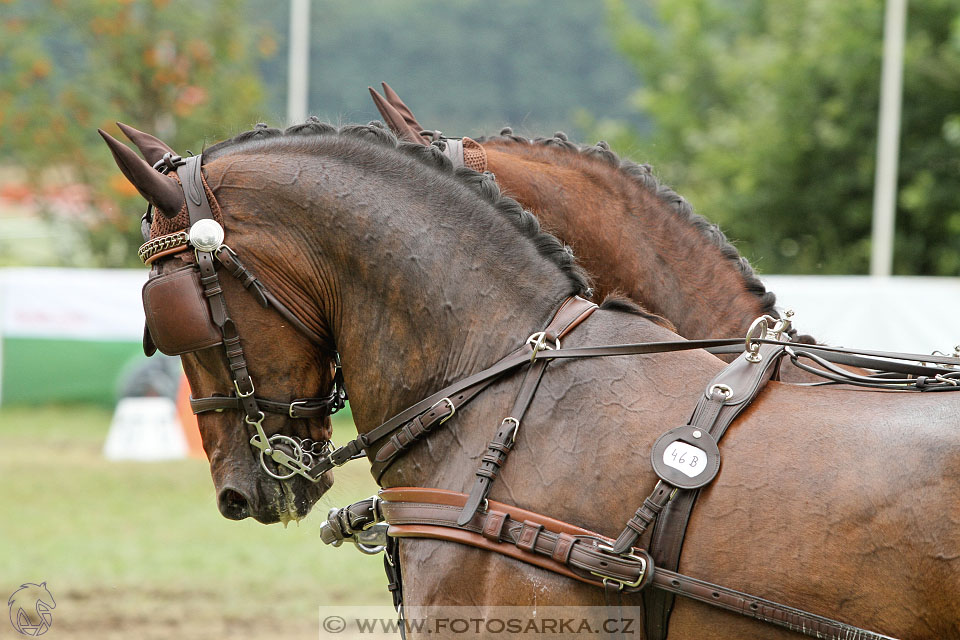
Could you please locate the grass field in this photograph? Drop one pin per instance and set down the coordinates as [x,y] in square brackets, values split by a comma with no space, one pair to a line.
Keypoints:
[139,550]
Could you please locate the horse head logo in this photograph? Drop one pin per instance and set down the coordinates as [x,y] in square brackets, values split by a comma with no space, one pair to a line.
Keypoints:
[30,607]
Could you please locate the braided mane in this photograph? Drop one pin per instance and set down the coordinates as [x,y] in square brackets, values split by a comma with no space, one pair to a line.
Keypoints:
[484,185]
[642,174]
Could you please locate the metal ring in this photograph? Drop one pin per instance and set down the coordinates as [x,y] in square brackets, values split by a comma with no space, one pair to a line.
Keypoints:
[722,388]
[539,342]
[297,454]
[256,422]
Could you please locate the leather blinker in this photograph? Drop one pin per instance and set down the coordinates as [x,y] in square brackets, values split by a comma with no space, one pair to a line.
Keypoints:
[178,317]
[148,347]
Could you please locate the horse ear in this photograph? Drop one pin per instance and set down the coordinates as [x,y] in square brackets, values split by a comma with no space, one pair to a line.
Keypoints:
[396,120]
[163,192]
[399,105]
[152,148]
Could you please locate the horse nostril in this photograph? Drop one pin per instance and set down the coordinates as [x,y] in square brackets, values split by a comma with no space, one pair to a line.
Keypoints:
[233,505]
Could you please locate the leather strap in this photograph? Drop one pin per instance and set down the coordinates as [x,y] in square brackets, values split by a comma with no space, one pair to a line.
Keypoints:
[303,408]
[714,413]
[518,357]
[191,180]
[574,311]
[581,554]
[499,448]
[525,535]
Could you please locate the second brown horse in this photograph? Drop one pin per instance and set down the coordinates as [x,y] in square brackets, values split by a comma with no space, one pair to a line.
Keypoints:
[633,234]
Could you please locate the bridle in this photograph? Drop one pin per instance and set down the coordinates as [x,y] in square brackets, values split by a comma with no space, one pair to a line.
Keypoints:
[202,321]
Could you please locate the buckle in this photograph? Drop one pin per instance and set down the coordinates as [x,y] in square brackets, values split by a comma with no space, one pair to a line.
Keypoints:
[620,581]
[292,412]
[516,427]
[241,394]
[453,409]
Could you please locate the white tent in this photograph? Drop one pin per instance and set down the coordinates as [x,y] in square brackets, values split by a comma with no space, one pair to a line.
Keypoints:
[893,314]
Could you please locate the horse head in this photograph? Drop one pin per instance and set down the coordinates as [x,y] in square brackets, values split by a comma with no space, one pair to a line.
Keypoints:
[288,366]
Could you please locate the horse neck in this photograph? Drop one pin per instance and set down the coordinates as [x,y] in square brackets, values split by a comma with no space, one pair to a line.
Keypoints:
[414,295]
[637,243]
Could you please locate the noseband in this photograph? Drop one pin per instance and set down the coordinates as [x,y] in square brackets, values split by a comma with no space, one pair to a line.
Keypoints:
[186,312]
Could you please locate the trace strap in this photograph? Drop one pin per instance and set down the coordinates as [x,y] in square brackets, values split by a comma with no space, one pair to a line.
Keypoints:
[563,548]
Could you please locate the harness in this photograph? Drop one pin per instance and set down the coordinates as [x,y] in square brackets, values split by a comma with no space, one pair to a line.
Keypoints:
[685,458]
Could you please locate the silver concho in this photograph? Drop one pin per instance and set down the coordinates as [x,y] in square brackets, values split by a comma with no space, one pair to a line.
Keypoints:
[206,235]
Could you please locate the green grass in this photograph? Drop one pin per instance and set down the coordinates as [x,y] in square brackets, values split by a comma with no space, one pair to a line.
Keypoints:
[140,549]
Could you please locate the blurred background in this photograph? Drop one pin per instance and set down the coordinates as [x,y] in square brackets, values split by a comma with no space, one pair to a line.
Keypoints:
[765,114]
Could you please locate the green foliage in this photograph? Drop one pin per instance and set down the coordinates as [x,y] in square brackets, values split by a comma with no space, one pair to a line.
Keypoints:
[765,116]
[67,68]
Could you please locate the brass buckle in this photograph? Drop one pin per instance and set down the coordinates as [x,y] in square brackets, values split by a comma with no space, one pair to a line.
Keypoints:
[622,583]
[453,409]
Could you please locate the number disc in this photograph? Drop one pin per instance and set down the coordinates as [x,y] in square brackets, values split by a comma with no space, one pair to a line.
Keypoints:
[686,457]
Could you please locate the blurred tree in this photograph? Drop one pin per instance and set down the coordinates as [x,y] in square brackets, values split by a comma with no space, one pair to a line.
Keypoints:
[467,67]
[765,114]
[67,68]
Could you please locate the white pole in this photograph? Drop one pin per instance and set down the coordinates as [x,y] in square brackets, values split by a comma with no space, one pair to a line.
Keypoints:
[888,139]
[298,79]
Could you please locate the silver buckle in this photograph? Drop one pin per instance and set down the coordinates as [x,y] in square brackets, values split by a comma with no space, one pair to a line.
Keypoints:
[241,394]
[516,427]
[292,411]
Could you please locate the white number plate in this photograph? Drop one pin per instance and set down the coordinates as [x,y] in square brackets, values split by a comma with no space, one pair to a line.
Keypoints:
[686,459]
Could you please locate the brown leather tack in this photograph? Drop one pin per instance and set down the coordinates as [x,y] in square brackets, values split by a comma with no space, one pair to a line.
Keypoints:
[474,540]
[561,553]
[177,313]
[528,535]
[493,525]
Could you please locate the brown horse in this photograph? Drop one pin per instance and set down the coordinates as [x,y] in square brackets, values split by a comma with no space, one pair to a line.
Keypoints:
[633,234]
[839,502]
